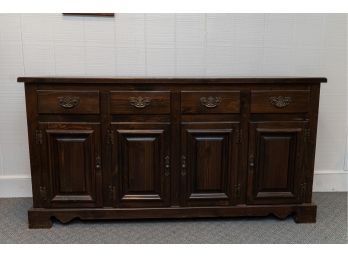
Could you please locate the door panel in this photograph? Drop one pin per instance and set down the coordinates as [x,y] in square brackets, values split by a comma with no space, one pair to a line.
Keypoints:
[209,163]
[72,157]
[141,158]
[276,151]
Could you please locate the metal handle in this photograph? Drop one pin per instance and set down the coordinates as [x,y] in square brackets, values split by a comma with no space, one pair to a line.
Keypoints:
[140,102]
[98,162]
[68,102]
[166,166]
[210,101]
[183,165]
[251,161]
[280,101]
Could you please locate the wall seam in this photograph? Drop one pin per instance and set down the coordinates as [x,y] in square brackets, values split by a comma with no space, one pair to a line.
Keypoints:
[175,46]
[205,44]
[22,45]
[84,47]
[53,45]
[115,47]
[145,44]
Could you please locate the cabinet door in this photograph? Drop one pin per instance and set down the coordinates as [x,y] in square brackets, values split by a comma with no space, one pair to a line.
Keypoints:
[209,163]
[141,161]
[276,154]
[71,154]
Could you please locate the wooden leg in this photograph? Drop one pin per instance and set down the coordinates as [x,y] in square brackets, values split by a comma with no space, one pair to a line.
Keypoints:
[39,220]
[306,214]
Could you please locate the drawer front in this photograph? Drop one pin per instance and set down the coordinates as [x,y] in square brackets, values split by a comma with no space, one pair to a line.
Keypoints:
[279,101]
[140,102]
[210,101]
[64,101]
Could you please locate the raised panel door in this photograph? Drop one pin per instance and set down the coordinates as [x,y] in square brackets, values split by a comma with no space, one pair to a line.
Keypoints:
[72,161]
[141,161]
[276,162]
[209,163]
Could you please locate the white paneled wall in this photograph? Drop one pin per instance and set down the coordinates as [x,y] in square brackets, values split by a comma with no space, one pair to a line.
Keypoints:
[173,45]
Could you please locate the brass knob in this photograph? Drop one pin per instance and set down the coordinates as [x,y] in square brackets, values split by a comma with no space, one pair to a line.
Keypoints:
[98,162]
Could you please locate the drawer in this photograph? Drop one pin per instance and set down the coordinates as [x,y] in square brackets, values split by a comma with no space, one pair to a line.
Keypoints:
[210,101]
[64,101]
[140,102]
[279,101]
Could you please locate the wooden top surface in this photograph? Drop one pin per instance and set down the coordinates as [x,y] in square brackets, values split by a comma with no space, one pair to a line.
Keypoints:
[173,80]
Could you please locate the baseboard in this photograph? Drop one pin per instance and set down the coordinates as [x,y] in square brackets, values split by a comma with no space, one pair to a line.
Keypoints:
[15,186]
[324,181]
[330,181]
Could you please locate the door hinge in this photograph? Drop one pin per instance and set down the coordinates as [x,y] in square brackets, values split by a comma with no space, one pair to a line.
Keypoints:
[237,191]
[112,192]
[38,137]
[43,193]
[238,136]
[307,134]
[110,137]
[303,191]
[183,165]
[167,166]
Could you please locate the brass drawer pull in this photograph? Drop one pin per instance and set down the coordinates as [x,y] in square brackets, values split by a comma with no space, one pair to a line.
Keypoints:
[68,102]
[139,102]
[280,101]
[210,101]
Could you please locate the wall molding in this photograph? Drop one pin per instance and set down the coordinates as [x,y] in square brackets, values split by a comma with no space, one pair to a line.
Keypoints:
[324,181]
[330,181]
[15,186]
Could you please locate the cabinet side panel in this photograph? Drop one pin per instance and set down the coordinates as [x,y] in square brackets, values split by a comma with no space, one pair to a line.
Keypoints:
[311,144]
[34,149]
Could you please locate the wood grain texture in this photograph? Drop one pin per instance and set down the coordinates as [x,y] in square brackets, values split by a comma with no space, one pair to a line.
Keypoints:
[279,101]
[164,80]
[139,157]
[70,152]
[166,148]
[276,151]
[211,163]
[65,101]
[210,102]
[41,218]
[140,102]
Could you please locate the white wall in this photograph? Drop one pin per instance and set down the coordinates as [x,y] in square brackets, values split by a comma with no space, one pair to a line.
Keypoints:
[173,45]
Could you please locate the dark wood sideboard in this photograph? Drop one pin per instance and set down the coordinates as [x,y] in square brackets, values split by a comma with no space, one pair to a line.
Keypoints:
[130,148]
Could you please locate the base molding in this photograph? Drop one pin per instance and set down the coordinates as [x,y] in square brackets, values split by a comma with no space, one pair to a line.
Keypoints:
[41,218]
[330,181]
[15,186]
[324,181]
